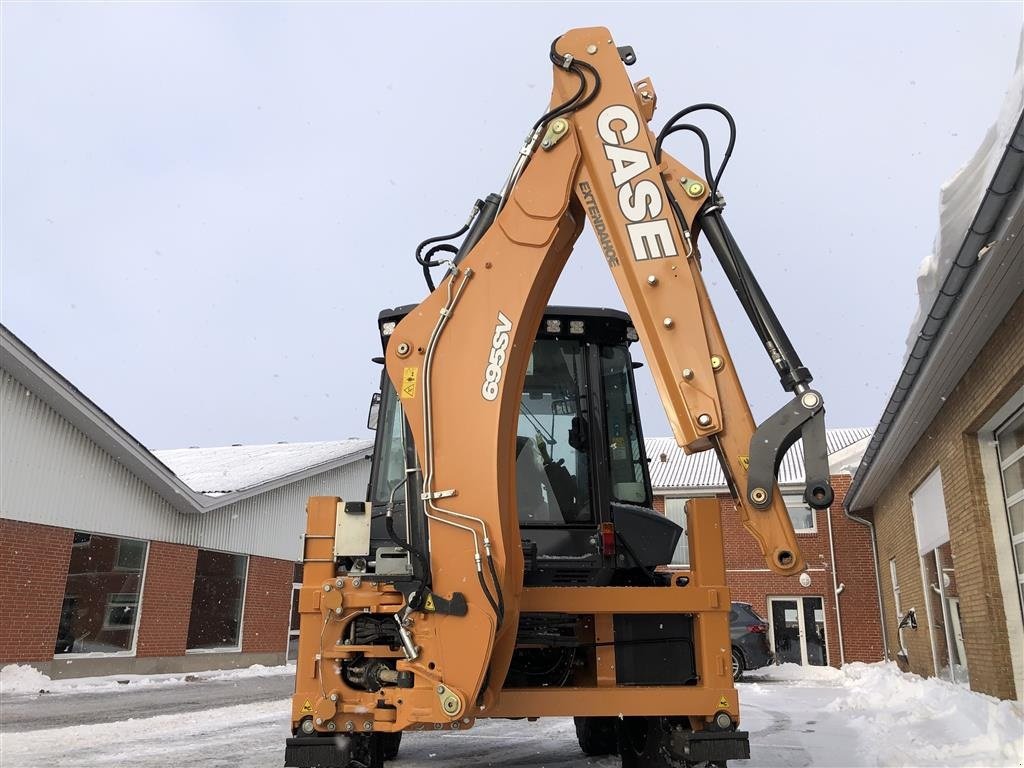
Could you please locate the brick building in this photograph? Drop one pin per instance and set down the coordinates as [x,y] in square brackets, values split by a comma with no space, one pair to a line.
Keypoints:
[943,477]
[830,613]
[116,559]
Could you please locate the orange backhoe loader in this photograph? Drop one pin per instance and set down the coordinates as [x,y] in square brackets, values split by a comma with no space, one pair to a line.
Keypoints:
[507,562]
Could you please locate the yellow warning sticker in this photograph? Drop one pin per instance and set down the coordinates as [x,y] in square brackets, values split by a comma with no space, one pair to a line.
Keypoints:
[428,604]
[745,462]
[409,376]
[306,706]
[723,703]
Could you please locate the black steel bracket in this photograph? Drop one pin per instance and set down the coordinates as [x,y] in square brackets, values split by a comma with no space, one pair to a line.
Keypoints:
[802,417]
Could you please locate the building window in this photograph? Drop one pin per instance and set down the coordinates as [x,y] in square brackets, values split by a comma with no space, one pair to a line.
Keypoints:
[131,554]
[122,609]
[215,621]
[675,510]
[801,515]
[1010,451]
[100,610]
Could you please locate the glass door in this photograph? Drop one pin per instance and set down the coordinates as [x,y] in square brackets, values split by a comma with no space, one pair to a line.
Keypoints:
[798,630]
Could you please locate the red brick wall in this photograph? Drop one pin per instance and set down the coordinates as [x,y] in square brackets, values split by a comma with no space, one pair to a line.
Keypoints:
[268,593]
[33,571]
[166,599]
[751,582]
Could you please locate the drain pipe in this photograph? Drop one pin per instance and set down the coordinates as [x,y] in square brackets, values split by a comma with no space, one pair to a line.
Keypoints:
[836,587]
[878,580]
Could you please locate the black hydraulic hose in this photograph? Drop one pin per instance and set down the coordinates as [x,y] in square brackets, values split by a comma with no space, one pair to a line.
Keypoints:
[707,106]
[490,598]
[497,590]
[704,144]
[424,573]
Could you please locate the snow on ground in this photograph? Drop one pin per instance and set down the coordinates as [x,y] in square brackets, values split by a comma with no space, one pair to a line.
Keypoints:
[21,678]
[862,715]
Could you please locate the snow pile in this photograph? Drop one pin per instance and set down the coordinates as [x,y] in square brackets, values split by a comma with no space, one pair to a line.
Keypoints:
[795,672]
[913,721]
[960,197]
[21,678]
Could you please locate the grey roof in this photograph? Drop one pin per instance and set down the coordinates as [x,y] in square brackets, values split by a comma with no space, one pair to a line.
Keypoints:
[67,400]
[671,469]
[982,284]
[214,471]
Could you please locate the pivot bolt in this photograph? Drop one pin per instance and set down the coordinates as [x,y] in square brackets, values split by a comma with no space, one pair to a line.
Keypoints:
[759,495]
[810,400]
[704,420]
[404,349]
[559,126]
[717,363]
[693,189]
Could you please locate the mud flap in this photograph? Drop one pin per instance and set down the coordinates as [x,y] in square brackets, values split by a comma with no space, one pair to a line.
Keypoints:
[710,746]
[317,752]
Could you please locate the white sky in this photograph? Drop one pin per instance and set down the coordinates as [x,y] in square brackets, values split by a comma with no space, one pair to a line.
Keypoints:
[204,206]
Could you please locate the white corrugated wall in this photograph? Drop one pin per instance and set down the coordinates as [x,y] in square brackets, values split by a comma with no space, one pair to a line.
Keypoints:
[51,473]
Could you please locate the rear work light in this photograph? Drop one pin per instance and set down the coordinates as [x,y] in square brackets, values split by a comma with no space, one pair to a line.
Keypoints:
[608,539]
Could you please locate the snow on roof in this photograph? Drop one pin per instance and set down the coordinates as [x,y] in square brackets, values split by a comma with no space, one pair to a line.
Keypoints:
[671,468]
[215,471]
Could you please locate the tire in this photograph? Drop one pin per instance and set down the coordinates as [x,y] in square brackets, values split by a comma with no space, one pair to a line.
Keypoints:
[738,666]
[389,744]
[645,742]
[597,735]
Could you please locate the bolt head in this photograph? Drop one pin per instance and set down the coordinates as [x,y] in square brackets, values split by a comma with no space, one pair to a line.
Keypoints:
[717,363]
[591,49]
[687,373]
[334,697]
[545,144]
[668,322]
[440,689]
[367,726]
[319,721]
[696,189]
[704,420]
[331,726]
[652,280]
[559,126]
[327,587]
[349,726]
[810,400]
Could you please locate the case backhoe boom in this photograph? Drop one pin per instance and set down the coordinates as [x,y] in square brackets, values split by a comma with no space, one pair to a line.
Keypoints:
[459,361]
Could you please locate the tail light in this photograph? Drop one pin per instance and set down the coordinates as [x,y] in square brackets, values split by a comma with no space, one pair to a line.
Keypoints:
[608,539]
[757,629]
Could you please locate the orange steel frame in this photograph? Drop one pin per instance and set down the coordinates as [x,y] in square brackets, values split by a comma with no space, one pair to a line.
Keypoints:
[601,168]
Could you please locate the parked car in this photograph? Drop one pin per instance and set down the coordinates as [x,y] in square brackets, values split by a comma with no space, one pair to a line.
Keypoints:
[749,632]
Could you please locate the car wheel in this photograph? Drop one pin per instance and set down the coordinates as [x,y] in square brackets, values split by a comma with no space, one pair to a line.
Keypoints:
[737,665]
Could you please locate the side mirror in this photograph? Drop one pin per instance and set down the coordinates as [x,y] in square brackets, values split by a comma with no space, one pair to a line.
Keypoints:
[371,417]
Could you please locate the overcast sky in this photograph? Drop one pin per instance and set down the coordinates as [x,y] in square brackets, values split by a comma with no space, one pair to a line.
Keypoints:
[205,206]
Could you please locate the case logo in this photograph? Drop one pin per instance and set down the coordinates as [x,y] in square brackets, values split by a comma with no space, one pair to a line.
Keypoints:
[649,236]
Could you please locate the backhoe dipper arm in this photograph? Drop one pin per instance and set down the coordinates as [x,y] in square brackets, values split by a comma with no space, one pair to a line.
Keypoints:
[459,359]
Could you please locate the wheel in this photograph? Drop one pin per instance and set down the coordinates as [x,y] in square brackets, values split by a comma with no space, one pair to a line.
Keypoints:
[367,751]
[645,742]
[738,667]
[597,735]
[390,743]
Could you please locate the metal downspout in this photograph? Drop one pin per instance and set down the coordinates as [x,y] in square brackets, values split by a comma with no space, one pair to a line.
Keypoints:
[835,587]
[878,580]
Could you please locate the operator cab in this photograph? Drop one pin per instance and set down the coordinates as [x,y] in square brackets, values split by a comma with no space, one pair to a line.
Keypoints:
[583,489]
